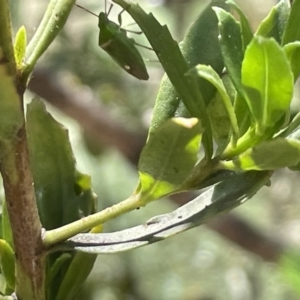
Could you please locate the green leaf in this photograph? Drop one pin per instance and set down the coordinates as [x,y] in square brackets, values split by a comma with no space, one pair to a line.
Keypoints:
[199,46]
[87,199]
[64,258]
[20,47]
[247,33]
[231,46]
[289,266]
[220,122]
[243,114]
[6,228]
[10,106]
[78,271]
[7,263]
[208,73]
[269,155]
[53,276]
[50,150]
[274,24]
[63,194]
[168,158]
[222,197]
[292,51]
[292,29]
[268,82]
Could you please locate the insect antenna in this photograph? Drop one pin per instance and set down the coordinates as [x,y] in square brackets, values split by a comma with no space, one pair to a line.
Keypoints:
[86,10]
[109,10]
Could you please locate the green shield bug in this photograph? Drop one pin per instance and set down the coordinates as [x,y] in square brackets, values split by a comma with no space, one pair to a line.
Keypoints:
[114,41]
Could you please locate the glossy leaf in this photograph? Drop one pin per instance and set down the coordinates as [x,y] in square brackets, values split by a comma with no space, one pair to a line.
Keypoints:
[243,114]
[208,73]
[168,158]
[10,109]
[292,51]
[226,195]
[6,228]
[274,24]
[63,194]
[199,46]
[79,269]
[50,150]
[77,273]
[220,122]
[234,38]
[87,199]
[270,155]
[230,38]
[20,47]
[58,264]
[7,263]
[247,33]
[292,29]
[63,259]
[268,82]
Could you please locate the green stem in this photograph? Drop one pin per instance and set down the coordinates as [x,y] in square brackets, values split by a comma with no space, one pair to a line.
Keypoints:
[248,140]
[201,172]
[60,234]
[6,41]
[53,21]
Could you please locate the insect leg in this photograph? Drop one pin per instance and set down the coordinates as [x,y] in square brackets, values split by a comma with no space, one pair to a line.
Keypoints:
[149,48]
[120,17]
[133,31]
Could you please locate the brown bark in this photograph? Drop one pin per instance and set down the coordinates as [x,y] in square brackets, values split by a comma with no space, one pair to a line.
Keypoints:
[23,215]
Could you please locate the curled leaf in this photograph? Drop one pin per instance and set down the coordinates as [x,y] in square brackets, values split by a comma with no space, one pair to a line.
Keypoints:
[168,157]
[7,262]
[20,47]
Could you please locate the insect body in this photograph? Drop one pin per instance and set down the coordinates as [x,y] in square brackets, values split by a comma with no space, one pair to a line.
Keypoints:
[114,40]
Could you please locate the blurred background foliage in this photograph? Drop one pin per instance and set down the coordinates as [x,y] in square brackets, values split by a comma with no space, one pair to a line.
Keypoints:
[238,256]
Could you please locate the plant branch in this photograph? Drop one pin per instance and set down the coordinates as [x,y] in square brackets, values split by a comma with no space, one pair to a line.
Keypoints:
[55,236]
[23,215]
[53,21]
[17,178]
[98,123]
